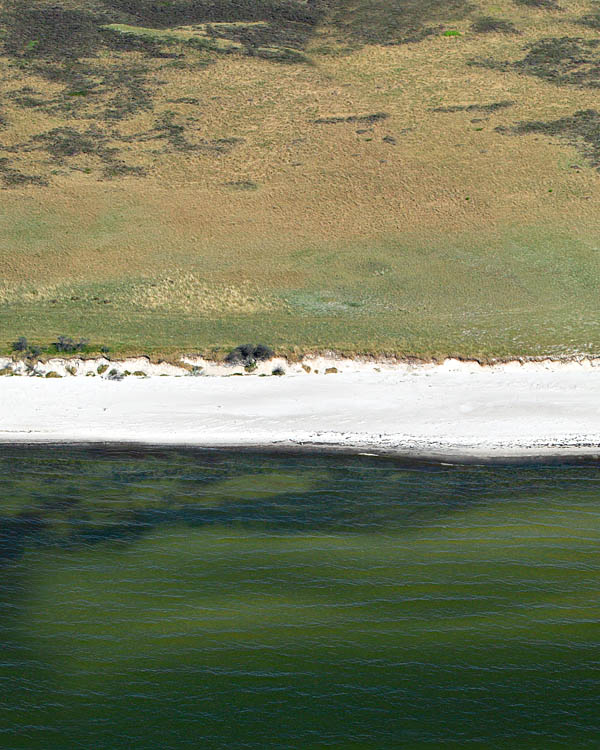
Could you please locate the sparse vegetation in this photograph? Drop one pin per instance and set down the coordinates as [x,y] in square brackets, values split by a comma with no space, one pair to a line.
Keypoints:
[367,119]
[390,22]
[591,20]
[14,178]
[545,4]
[582,129]
[489,25]
[565,61]
[242,184]
[487,108]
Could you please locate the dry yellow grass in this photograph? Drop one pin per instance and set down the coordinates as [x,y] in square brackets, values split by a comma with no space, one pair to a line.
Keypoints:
[409,213]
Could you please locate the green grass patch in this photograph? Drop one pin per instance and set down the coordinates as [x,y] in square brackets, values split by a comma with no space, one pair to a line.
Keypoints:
[504,294]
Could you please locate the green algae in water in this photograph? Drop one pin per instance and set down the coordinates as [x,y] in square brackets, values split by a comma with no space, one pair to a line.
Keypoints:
[175,599]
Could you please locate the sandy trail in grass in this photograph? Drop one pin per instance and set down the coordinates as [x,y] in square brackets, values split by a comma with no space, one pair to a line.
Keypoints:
[452,410]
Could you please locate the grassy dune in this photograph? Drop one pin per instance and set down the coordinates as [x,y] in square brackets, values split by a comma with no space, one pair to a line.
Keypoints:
[417,178]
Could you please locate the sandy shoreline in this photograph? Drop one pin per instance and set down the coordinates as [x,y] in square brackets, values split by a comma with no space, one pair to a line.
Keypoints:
[453,410]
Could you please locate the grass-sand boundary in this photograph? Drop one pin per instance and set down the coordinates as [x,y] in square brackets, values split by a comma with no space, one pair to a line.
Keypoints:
[327,363]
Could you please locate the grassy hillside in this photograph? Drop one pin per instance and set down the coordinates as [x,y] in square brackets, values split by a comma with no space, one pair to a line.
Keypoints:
[416,177]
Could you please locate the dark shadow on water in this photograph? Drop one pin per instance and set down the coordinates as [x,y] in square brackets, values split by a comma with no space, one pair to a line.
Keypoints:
[61,495]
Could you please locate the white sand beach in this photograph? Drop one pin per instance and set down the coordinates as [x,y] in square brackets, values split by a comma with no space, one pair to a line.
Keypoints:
[452,410]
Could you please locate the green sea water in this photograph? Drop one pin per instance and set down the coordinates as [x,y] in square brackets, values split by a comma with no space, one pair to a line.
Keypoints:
[172,599]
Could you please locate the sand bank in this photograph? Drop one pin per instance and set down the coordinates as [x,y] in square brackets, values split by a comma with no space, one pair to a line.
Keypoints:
[452,410]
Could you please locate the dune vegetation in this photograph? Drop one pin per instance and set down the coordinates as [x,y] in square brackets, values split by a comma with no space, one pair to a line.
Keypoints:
[410,177]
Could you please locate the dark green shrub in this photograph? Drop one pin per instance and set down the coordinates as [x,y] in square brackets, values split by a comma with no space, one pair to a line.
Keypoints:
[262,353]
[592,21]
[368,119]
[242,185]
[581,130]
[20,345]
[119,169]
[488,108]
[50,31]
[565,61]
[240,355]
[66,345]
[394,21]
[547,4]
[185,12]
[487,25]
[14,178]
[248,354]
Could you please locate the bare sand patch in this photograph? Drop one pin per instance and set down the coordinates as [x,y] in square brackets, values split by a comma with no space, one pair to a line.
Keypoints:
[451,410]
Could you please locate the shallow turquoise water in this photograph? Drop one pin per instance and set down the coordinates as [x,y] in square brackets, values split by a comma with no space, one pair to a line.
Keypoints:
[172,599]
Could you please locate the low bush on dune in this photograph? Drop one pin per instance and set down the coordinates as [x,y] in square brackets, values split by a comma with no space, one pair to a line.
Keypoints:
[24,348]
[63,345]
[249,354]
[66,345]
